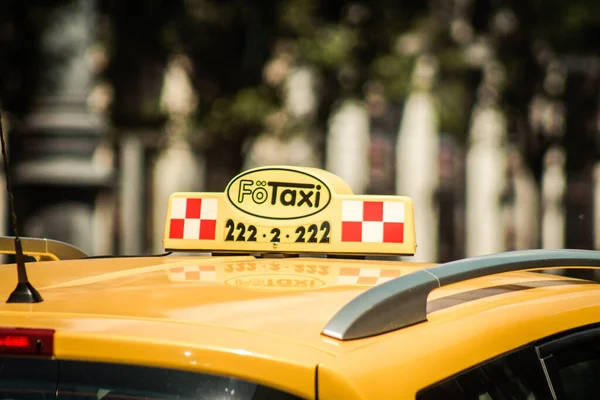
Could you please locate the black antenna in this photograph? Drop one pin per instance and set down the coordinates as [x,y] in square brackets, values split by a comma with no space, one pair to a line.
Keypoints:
[24,292]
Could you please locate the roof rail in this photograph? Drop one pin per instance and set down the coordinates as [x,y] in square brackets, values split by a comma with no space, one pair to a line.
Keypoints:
[41,249]
[403,301]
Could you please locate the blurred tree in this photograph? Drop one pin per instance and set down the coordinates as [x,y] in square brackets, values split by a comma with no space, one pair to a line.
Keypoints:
[527,38]
[231,43]
[136,35]
[551,96]
[21,61]
[228,43]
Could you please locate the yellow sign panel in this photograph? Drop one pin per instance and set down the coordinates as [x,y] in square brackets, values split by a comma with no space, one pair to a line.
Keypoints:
[290,210]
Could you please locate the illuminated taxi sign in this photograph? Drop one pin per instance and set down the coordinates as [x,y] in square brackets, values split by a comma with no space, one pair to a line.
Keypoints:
[289,210]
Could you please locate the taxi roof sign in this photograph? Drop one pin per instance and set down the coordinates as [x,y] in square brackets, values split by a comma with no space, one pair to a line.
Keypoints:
[283,209]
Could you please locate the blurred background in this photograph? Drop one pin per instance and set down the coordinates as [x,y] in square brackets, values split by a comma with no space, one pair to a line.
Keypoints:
[485,112]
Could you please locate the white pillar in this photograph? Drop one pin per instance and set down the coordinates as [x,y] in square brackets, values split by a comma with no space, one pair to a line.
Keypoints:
[417,174]
[553,189]
[5,219]
[103,223]
[417,163]
[347,150]
[526,210]
[300,96]
[485,182]
[178,168]
[4,212]
[597,212]
[132,197]
[597,206]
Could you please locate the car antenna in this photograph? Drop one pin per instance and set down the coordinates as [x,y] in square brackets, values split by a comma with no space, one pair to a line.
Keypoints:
[24,292]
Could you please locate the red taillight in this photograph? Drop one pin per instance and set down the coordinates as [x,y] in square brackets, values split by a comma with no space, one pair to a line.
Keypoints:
[24,341]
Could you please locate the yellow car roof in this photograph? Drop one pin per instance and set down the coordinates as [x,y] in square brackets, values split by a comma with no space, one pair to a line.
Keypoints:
[292,298]
[289,298]
[263,319]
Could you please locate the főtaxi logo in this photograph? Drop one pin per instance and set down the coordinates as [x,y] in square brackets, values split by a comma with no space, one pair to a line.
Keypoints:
[295,194]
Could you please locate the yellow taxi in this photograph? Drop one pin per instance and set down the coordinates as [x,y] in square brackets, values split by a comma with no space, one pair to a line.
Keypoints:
[294,290]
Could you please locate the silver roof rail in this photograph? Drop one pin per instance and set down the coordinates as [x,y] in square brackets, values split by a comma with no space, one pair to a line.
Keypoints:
[41,249]
[403,301]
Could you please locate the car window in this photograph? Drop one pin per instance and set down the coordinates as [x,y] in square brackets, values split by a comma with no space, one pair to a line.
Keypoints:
[96,381]
[574,364]
[516,376]
[38,379]
[26,378]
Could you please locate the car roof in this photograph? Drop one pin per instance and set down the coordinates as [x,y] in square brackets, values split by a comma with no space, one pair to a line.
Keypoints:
[291,298]
[275,310]
[285,298]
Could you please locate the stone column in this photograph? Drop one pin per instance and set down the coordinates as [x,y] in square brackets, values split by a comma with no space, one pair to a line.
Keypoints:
[178,168]
[554,183]
[348,142]
[551,123]
[57,178]
[486,163]
[4,205]
[597,207]
[486,182]
[417,150]
[132,206]
[596,178]
[526,206]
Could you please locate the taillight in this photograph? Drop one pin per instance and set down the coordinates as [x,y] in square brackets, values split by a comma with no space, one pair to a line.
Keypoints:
[25,341]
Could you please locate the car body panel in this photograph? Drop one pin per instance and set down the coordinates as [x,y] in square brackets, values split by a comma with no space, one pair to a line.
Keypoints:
[151,289]
[148,311]
[458,338]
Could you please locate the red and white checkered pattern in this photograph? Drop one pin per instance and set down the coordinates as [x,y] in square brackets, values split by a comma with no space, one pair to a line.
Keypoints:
[366,276]
[204,273]
[372,221]
[193,218]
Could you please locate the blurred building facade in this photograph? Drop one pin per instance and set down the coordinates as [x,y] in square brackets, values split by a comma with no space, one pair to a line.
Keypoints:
[129,196]
[63,169]
[111,173]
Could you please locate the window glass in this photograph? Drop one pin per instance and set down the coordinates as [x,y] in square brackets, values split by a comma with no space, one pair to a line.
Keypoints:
[517,376]
[98,381]
[577,367]
[28,378]
[36,378]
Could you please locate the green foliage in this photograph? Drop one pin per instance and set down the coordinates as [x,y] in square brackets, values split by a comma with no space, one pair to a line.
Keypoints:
[394,71]
[453,107]
[331,47]
[233,118]
[251,104]
[349,43]
[298,16]
[568,26]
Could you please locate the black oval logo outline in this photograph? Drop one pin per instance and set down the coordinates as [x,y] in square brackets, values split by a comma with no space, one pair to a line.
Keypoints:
[278,169]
